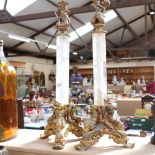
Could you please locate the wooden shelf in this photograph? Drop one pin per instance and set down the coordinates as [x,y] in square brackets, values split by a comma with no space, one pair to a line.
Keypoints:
[129,74]
[17,64]
[85,72]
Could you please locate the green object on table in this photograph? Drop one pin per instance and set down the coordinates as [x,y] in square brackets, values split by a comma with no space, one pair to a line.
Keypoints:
[141,123]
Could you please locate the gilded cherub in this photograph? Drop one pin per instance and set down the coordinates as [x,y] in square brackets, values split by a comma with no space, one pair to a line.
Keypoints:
[63,20]
[98,20]
[63,7]
[98,4]
[101,4]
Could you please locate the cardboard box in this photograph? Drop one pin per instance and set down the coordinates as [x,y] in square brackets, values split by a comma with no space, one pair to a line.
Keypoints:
[116,88]
[127,107]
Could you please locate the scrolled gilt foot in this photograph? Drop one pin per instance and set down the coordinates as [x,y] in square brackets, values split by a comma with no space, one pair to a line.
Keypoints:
[46,134]
[119,137]
[129,145]
[81,147]
[42,136]
[58,146]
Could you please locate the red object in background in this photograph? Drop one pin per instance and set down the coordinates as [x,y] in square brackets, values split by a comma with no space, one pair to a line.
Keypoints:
[151,87]
[29,110]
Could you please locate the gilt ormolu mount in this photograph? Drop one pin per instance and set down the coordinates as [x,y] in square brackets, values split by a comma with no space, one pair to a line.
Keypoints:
[100,123]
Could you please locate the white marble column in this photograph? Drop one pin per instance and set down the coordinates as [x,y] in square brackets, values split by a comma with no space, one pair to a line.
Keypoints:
[99,68]
[62,69]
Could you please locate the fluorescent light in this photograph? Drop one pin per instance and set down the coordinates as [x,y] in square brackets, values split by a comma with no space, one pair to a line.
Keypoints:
[19,38]
[81,57]
[28,40]
[52,46]
[109,15]
[152,12]
[75,53]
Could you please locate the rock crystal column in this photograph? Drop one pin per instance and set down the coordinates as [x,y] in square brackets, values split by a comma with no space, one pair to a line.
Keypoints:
[99,68]
[99,52]
[62,69]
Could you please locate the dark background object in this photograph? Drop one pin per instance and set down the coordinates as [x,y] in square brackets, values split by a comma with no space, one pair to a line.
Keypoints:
[1,147]
[151,53]
[153,129]
[20,114]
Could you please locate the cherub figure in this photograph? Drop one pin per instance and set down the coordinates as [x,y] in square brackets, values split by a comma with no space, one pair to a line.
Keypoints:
[98,20]
[63,20]
[101,4]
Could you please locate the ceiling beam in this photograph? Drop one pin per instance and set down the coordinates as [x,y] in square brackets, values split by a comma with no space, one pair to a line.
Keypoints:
[112,32]
[141,40]
[31,29]
[134,20]
[126,24]
[121,40]
[82,41]
[133,58]
[52,3]
[152,17]
[37,45]
[41,31]
[89,46]
[112,43]
[32,36]
[50,41]
[5,4]
[30,53]
[84,9]
[35,30]
[122,49]
[128,3]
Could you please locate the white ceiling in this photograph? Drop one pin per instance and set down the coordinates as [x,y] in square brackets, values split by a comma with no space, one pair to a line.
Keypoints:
[128,14]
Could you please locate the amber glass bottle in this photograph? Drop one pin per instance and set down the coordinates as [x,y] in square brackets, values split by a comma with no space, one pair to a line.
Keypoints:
[8,98]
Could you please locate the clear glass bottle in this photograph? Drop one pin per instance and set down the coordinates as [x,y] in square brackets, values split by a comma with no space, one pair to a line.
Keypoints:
[8,98]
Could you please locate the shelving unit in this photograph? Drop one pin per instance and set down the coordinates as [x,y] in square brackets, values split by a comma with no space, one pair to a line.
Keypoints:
[85,72]
[147,72]
[129,74]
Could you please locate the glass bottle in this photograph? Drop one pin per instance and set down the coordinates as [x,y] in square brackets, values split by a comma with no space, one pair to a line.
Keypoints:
[8,98]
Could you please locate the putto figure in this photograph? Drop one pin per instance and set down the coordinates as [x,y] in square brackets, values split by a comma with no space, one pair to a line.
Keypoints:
[98,20]
[63,19]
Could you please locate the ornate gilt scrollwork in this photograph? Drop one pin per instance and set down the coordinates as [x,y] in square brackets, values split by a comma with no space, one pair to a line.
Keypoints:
[105,124]
[63,22]
[56,125]
[98,20]
[101,122]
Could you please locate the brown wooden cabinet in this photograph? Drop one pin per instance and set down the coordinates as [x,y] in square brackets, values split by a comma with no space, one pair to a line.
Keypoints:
[85,72]
[130,74]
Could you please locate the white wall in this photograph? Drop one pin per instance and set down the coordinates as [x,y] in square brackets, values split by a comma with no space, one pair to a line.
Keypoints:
[120,64]
[42,65]
[47,66]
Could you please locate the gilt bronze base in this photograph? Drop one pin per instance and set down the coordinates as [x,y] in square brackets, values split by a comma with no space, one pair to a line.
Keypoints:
[100,123]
